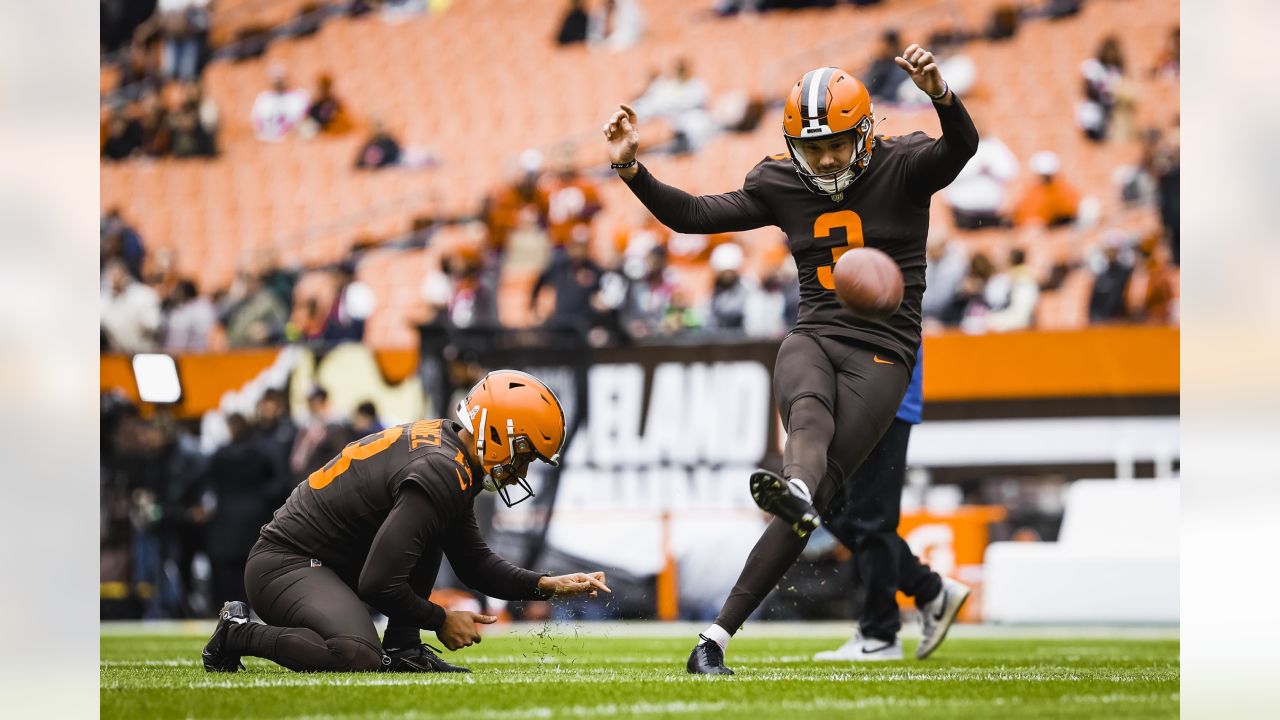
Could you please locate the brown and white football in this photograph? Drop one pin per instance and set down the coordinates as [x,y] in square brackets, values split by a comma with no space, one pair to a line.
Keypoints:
[868,283]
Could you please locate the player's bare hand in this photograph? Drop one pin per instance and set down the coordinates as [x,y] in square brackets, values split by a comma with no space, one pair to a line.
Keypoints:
[573,584]
[459,629]
[622,137]
[923,69]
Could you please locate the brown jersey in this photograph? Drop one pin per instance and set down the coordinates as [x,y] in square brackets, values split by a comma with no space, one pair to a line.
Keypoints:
[335,513]
[887,208]
[387,501]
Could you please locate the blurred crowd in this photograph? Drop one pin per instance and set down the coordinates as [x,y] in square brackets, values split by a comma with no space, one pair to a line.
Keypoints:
[146,305]
[534,253]
[177,522]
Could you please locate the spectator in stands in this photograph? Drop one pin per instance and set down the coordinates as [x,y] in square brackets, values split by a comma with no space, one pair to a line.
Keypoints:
[184,25]
[364,421]
[1137,183]
[1169,193]
[275,434]
[968,305]
[616,25]
[883,76]
[1168,65]
[327,114]
[978,195]
[575,278]
[190,138]
[948,264]
[121,242]
[730,293]
[681,99]
[572,201]
[320,439]
[277,278]
[1159,300]
[1003,24]
[1012,296]
[1049,200]
[353,303]
[380,150]
[1111,281]
[1107,108]
[573,29]
[766,311]
[190,320]
[130,311]
[124,135]
[473,301]
[157,136]
[522,202]
[649,295]
[725,8]
[278,110]
[1059,9]
[253,316]
[242,478]
[139,70]
[161,275]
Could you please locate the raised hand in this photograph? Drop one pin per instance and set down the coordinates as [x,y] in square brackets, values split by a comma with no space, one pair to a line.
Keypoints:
[623,138]
[923,69]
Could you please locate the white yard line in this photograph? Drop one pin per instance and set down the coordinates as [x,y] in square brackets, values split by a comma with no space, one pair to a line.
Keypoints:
[569,630]
[823,705]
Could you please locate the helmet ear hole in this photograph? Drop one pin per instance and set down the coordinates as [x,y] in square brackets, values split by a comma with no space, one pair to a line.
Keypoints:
[493,434]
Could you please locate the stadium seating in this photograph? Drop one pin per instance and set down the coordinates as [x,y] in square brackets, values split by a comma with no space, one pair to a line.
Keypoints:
[1116,560]
[475,114]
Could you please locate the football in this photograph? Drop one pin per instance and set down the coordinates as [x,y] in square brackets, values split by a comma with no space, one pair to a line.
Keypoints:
[868,283]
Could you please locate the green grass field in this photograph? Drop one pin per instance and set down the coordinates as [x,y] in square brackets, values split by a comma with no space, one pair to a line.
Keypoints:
[567,671]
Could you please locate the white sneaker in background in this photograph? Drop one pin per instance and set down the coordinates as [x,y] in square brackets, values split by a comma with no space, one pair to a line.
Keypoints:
[937,615]
[860,649]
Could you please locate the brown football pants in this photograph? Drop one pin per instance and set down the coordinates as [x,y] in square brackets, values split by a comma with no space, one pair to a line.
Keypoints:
[837,399]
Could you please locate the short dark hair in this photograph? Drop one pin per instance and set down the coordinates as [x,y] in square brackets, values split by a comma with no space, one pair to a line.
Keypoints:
[238,425]
[1017,256]
[367,408]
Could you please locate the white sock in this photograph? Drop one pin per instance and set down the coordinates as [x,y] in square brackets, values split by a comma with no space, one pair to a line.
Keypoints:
[801,489]
[718,635]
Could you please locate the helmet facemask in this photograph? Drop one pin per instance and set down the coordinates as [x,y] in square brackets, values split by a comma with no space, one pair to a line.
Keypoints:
[503,475]
[837,181]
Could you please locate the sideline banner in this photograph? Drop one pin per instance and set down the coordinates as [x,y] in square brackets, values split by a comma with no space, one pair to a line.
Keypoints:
[1115,361]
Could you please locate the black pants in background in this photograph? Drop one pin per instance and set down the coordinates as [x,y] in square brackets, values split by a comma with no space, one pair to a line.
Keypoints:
[864,517]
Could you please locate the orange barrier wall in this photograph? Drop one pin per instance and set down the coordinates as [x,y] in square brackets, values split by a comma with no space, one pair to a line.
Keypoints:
[1095,362]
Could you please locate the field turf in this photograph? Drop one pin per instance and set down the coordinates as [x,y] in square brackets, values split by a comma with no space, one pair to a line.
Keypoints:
[566,671]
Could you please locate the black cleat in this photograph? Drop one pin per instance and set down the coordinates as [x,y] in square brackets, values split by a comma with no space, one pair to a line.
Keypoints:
[420,659]
[775,496]
[707,659]
[217,658]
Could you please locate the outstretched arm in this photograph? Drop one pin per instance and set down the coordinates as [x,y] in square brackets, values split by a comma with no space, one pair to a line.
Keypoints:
[731,212]
[934,166]
[479,567]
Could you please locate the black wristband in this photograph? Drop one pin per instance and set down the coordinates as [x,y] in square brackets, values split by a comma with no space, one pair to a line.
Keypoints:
[622,166]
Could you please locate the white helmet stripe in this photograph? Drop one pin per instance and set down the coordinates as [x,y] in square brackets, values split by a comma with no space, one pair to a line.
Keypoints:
[817,100]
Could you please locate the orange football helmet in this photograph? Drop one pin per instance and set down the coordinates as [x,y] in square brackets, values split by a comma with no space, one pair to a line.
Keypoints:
[827,102]
[514,419]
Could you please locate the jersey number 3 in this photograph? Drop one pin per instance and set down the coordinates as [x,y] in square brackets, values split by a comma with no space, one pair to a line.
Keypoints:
[822,228]
[362,449]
